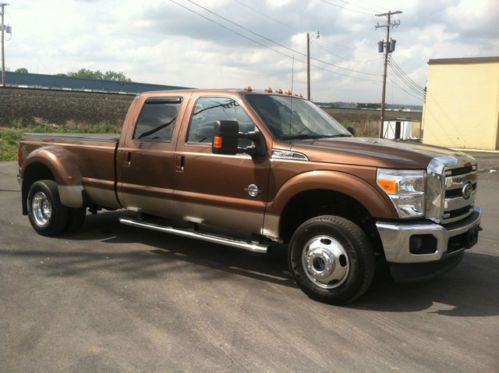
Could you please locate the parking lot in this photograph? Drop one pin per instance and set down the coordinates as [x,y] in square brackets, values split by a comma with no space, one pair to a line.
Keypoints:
[113,298]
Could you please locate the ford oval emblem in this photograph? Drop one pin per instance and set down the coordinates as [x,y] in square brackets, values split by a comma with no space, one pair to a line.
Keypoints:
[467,190]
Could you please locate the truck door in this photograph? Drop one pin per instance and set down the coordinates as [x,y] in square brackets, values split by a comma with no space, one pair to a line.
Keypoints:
[219,191]
[146,158]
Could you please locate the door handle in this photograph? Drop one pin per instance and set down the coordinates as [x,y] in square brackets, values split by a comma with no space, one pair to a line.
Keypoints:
[180,163]
[129,158]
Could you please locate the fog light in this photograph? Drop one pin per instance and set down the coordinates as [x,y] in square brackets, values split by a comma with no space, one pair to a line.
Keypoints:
[423,244]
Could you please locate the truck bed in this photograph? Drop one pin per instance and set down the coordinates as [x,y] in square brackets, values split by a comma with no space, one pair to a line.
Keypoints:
[93,155]
[113,137]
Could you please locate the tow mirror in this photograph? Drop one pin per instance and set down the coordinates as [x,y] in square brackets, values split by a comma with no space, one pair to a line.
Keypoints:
[225,137]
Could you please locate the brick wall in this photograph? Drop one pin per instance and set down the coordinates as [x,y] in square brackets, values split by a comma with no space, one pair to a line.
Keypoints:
[60,107]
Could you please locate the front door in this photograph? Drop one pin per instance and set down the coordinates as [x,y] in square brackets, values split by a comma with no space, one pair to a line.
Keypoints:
[219,191]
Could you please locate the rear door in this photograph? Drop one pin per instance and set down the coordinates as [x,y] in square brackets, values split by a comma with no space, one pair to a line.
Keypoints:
[219,191]
[146,155]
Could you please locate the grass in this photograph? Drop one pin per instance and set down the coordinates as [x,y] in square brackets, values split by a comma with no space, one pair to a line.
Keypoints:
[10,136]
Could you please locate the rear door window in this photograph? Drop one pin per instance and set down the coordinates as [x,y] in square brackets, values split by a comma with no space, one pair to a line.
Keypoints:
[157,119]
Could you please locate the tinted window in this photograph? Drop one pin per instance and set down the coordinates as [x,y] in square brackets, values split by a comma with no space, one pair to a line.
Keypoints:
[210,109]
[157,119]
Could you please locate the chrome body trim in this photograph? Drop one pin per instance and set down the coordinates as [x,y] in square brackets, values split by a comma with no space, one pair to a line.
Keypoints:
[458,202]
[288,154]
[439,180]
[250,246]
[396,237]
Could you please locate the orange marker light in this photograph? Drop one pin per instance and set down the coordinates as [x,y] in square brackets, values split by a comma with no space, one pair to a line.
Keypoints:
[217,142]
[389,186]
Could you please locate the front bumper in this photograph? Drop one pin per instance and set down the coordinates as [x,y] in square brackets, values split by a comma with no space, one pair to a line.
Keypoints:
[396,238]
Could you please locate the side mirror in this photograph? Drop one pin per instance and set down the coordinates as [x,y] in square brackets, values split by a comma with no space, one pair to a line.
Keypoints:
[351,130]
[225,137]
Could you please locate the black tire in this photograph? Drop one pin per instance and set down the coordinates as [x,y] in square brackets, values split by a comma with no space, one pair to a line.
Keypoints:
[359,263]
[76,218]
[57,221]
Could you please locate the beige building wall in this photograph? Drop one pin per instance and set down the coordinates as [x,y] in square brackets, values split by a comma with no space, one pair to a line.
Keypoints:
[462,103]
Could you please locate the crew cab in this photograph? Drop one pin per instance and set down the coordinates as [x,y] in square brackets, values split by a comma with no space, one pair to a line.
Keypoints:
[253,169]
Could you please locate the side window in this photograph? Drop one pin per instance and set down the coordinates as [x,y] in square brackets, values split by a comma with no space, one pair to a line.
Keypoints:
[210,109]
[157,119]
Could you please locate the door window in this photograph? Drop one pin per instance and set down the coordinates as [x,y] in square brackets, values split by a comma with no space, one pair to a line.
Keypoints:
[157,119]
[208,110]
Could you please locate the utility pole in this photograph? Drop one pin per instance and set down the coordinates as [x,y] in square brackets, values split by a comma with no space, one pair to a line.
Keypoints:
[388,46]
[308,66]
[317,36]
[2,29]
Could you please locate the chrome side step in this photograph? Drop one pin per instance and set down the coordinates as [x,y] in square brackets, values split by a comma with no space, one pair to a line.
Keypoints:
[250,246]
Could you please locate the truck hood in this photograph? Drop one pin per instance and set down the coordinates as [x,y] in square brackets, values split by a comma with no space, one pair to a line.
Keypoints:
[372,152]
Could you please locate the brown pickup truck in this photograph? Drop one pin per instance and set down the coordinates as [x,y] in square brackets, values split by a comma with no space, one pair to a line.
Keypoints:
[255,169]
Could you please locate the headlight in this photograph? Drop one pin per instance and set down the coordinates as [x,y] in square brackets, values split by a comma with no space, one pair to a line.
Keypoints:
[406,189]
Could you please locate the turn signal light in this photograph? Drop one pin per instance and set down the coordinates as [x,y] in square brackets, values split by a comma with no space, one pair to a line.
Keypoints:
[217,142]
[389,186]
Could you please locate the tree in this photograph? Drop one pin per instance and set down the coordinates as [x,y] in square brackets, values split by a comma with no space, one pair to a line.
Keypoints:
[99,75]
[22,70]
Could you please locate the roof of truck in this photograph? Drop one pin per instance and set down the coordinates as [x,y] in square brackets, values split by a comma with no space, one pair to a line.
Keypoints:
[267,91]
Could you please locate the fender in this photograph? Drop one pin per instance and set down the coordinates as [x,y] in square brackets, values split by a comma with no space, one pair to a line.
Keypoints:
[356,188]
[64,167]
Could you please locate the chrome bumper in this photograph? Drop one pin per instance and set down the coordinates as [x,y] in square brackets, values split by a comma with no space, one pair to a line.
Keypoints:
[396,238]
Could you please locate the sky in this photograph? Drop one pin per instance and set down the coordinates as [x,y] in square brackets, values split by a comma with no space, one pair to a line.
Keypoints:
[261,43]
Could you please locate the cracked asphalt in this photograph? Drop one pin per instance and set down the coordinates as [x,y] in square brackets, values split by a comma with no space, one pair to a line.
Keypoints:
[116,299]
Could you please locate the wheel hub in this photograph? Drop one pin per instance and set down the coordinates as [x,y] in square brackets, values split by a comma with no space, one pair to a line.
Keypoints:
[42,208]
[325,261]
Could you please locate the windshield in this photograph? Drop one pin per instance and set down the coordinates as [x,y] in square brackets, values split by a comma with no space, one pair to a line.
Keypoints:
[293,118]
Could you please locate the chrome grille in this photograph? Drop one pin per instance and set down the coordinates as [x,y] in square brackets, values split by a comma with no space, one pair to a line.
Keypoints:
[457,206]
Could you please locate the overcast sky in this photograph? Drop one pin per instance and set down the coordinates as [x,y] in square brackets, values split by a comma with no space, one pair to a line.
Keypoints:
[157,41]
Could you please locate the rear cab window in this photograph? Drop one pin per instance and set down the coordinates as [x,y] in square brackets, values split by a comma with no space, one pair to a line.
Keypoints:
[208,110]
[157,119]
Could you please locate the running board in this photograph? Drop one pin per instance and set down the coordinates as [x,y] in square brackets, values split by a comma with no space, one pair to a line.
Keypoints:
[250,246]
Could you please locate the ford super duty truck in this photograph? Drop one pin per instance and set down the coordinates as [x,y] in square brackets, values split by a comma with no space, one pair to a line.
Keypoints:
[254,169]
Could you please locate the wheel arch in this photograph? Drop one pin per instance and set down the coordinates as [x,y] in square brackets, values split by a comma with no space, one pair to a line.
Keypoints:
[54,163]
[326,192]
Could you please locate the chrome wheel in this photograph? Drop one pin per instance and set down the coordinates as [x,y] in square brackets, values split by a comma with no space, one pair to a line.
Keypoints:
[325,262]
[41,208]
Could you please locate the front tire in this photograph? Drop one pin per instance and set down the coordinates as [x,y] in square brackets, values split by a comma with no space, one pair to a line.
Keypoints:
[331,259]
[46,213]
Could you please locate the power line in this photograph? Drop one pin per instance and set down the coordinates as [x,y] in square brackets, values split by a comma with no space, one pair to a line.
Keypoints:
[418,96]
[401,71]
[347,8]
[276,42]
[242,3]
[406,83]
[260,43]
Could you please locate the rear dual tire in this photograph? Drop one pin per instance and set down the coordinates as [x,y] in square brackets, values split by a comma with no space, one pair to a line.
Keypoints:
[331,259]
[47,215]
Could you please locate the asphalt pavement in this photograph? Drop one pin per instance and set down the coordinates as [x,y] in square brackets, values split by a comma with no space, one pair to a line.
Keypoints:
[116,299]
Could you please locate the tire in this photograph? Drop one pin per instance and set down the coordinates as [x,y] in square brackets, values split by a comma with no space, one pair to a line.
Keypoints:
[76,218]
[46,213]
[331,259]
